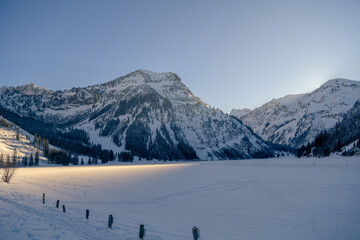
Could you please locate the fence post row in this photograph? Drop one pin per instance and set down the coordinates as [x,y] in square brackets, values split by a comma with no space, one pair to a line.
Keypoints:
[142,231]
[196,233]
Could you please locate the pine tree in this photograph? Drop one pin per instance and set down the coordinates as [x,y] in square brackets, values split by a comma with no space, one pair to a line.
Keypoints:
[31,161]
[18,134]
[111,155]
[82,161]
[39,142]
[51,155]
[46,147]
[89,161]
[8,160]
[14,158]
[36,162]
[35,140]
[75,160]
[338,145]
[25,161]
[1,159]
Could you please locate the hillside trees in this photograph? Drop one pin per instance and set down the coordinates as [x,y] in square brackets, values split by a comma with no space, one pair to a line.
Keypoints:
[59,157]
[125,157]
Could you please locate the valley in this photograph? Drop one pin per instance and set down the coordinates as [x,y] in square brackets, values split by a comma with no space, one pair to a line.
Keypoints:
[286,198]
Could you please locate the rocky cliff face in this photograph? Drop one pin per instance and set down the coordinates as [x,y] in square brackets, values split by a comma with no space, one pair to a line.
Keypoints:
[295,120]
[153,115]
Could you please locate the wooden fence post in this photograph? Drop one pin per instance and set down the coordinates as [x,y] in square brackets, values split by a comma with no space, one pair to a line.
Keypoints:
[87,213]
[57,203]
[43,198]
[63,208]
[142,231]
[196,233]
[111,220]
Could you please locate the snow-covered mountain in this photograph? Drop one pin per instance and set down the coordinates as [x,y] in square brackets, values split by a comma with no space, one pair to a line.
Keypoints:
[343,138]
[296,119]
[153,115]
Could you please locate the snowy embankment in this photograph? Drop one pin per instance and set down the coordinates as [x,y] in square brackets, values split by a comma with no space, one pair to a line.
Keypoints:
[23,144]
[8,143]
[254,199]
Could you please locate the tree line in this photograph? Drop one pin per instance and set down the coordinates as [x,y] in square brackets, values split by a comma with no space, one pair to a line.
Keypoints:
[16,161]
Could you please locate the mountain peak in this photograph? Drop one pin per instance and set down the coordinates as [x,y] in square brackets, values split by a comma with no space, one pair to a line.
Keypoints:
[339,82]
[150,76]
[31,89]
[143,76]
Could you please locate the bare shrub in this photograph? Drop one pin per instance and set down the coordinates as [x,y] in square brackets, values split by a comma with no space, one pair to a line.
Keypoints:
[8,170]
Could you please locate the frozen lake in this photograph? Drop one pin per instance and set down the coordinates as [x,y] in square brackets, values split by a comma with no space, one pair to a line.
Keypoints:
[284,198]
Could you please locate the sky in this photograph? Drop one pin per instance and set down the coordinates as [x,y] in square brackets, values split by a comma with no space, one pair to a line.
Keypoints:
[231,54]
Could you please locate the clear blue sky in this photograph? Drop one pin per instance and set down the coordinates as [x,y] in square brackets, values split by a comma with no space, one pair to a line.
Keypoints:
[231,54]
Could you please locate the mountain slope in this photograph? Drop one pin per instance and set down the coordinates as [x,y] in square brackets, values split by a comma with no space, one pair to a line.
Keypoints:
[14,139]
[295,120]
[343,137]
[153,115]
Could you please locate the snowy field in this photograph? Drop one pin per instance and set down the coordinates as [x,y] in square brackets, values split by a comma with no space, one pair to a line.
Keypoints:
[254,199]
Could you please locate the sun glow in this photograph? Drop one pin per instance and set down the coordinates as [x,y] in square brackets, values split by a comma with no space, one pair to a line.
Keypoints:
[314,81]
[115,170]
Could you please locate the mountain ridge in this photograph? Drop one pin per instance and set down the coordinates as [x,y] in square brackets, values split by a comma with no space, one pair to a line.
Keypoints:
[153,115]
[294,120]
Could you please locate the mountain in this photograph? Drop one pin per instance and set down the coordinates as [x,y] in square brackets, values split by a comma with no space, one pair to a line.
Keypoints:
[153,115]
[295,120]
[344,137]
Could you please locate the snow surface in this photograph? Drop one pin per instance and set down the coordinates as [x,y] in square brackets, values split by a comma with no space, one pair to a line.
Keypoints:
[284,198]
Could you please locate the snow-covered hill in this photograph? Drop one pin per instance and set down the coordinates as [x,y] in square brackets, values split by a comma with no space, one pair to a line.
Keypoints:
[13,138]
[153,115]
[296,119]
